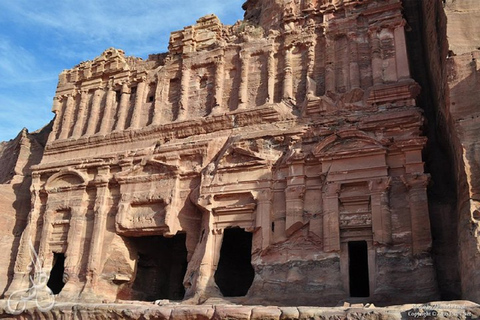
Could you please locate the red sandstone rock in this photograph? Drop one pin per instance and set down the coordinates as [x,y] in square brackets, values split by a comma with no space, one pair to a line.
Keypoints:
[282,166]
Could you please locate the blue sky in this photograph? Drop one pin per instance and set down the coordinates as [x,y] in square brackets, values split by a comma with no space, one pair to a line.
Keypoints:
[40,38]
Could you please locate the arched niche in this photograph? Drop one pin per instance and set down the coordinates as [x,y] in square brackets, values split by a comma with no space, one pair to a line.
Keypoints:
[65,178]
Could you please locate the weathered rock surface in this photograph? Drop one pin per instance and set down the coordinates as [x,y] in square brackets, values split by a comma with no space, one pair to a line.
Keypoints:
[16,158]
[463,27]
[137,310]
[276,162]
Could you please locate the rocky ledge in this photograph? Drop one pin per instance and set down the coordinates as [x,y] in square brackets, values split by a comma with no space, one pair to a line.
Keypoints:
[164,309]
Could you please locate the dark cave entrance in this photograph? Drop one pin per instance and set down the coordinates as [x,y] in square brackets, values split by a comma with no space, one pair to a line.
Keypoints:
[55,281]
[358,269]
[235,273]
[161,266]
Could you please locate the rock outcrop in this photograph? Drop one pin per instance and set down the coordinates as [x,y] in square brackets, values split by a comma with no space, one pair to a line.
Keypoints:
[16,158]
[276,161]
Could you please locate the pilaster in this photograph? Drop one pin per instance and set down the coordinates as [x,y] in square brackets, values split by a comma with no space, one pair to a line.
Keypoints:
[67,116]
[219,79]
[418,202]
[100,221]
[377,72]
[243,94]
[138,107]
[184,91]
[381,218]
[94,115]
[331,219]
[82,109]
[123,107]
[264,215]
[288,77]
[106,121]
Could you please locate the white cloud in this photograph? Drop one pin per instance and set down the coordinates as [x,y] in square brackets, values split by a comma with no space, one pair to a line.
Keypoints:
[92,22]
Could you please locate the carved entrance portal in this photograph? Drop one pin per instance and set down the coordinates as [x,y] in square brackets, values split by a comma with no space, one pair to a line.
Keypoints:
[55,282]
[161,266]
[235,273]
[358,269]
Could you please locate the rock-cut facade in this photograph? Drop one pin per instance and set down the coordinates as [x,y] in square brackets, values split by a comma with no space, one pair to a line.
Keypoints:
[274,161]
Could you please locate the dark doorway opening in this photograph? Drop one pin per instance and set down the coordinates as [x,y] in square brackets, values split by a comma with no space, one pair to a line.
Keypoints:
[358,269]
[55,282]
[161,266]
[235,273]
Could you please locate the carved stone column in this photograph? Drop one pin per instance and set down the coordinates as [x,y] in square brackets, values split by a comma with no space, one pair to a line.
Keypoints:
[95,112]
[243,94]
[46,232]
[271,76]
[24,255]
[264,215]
[138,107]
[67,116]
[377,72]
[99,227]
[184,91]
[288,78]
[82,109]
[123,107]
[57,109]
[205,281]
[219,79]
[389,63]
[294,194]
[75,236]
[311,88]
[106,121]
[161,98]
[354,68]
[330,81]
[403,70]
[331,223]
[420,221]
[381,217]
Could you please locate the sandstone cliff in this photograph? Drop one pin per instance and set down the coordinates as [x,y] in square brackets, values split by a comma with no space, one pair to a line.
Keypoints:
[298,139]
[16,158]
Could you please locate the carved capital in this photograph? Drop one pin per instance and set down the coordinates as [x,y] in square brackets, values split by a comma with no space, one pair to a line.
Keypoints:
[244,54]
[415,181]
[295,192]
[331,188]
[265,194]
[217,231]
[379,185]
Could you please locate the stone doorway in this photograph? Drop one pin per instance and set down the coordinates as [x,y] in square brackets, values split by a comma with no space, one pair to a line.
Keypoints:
[55,281]
[358,269]
[235,273]
[161,267]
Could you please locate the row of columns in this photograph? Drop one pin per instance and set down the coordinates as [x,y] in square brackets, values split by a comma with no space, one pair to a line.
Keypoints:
[76,235]
[98,112]
[384,68]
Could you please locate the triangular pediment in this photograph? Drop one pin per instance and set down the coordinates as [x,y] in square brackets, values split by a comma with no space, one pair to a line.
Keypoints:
[237,156]
[346,143]
[350,145]
[148,168]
